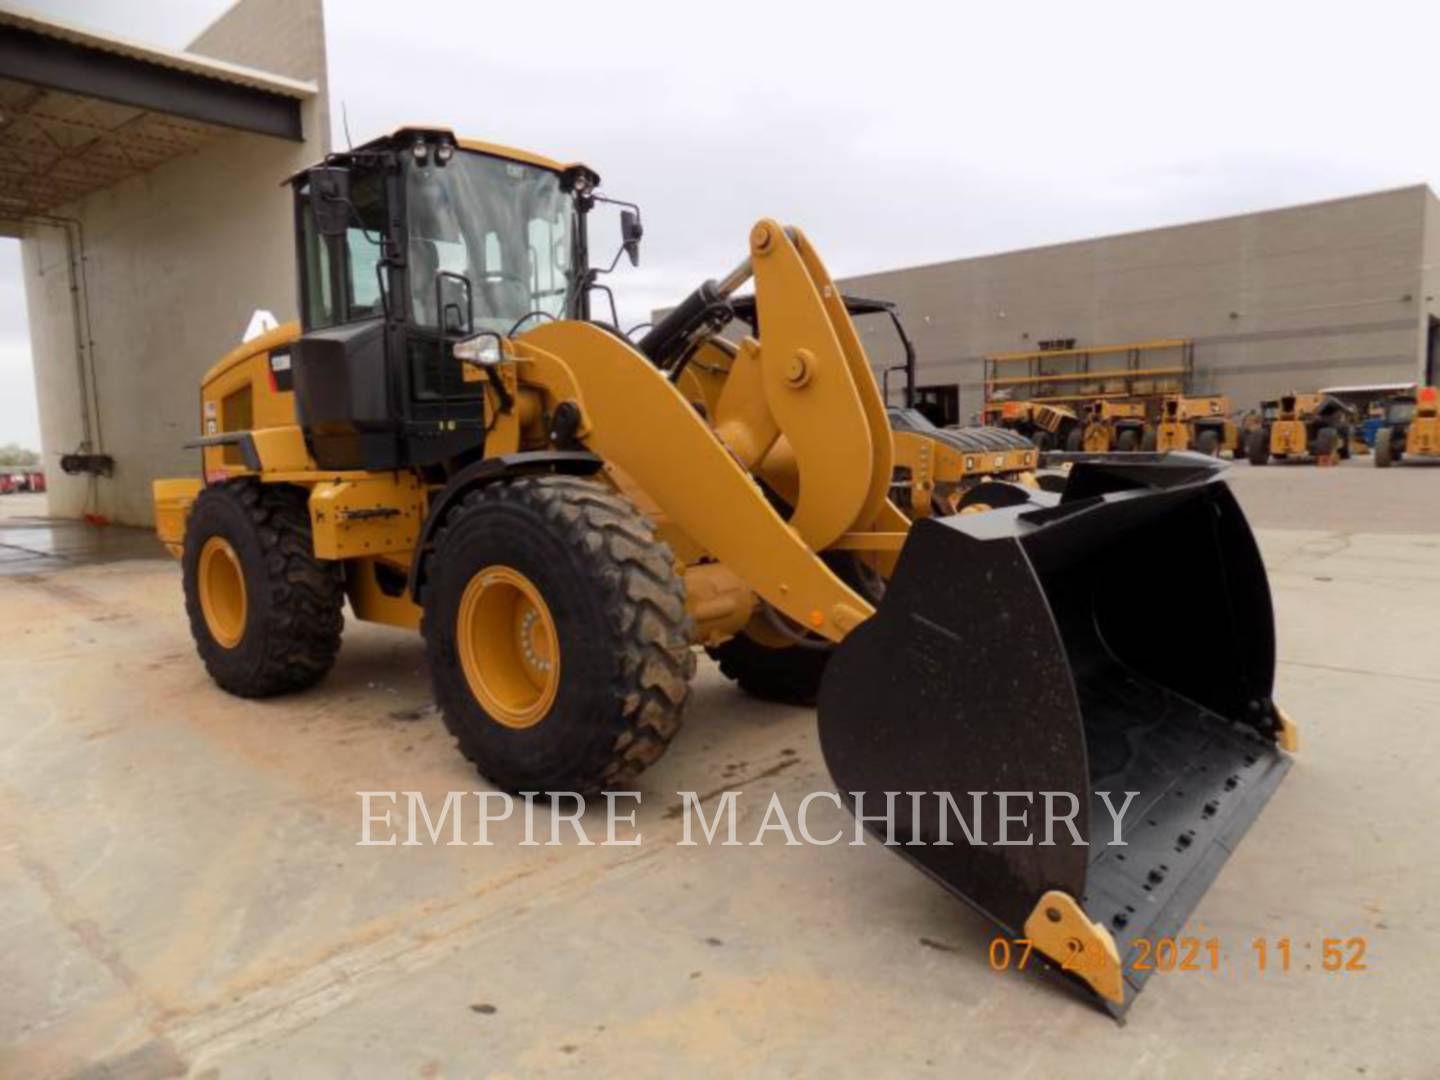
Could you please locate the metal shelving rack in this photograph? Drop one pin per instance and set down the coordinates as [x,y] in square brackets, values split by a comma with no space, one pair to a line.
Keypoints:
[1137,371]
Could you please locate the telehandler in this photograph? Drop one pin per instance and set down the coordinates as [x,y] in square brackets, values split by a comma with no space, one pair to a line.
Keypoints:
[1299,426]
[1412,426]
[451,441]
[1111,426]
[1201,424]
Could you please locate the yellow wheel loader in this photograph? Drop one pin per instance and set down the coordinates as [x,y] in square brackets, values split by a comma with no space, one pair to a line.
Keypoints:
[450,441]
[1411,426]
[1299,427]
[1201,424]
[1107,426]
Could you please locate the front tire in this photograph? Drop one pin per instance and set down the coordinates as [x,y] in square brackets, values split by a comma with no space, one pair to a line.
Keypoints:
[1127,442]
[1258,448]
[557,637]
[265,613]
[1384,448]
[1208,443]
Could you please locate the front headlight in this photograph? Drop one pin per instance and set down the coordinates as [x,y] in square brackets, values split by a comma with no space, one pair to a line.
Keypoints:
[483,349]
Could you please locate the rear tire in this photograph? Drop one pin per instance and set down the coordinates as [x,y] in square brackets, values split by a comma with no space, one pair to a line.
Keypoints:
[611,694]
[1326,441]
[1127,442]
[282,627]
[791,674]
[1208,442]
[1384,448]
[1075,441]
[1258,447]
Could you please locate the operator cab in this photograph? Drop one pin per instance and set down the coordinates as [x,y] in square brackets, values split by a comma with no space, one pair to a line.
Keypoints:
[1399,410]
[408,245]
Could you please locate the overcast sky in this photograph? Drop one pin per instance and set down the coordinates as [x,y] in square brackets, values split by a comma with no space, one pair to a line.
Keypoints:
[894,133]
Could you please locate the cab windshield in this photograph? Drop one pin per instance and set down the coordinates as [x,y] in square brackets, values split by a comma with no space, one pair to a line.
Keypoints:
[505,228]
[1400,412]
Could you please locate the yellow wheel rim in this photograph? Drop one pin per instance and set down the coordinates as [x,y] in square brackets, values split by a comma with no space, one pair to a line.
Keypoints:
[222,592]
[508,647]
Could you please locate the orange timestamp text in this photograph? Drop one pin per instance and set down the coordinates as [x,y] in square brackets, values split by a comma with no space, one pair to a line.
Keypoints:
[1168,954]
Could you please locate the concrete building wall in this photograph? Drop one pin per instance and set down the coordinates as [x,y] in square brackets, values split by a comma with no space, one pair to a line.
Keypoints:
[175,262]
[1430,289]
[1323,294]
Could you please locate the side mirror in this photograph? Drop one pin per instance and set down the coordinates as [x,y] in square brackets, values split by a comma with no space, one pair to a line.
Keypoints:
[630,233]
[330,199]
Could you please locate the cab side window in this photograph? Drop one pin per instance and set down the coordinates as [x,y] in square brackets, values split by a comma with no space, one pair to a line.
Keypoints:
[316,271]
[363,248]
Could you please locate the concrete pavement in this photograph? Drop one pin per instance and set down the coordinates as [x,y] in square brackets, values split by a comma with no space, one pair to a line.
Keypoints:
[183,893]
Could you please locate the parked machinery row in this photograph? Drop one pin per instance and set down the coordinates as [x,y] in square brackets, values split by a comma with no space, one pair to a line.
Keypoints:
[1314,427]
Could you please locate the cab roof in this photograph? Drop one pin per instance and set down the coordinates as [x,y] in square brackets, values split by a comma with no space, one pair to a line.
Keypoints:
[510,153]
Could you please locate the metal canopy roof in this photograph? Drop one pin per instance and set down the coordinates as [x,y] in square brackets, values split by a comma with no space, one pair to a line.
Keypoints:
[80,111]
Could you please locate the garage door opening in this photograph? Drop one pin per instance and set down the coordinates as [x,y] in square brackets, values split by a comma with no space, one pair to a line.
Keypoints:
[21,468]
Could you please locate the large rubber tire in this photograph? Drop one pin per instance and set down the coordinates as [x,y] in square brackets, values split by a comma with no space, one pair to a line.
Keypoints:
[1258,446]
[293,600]
[1208,442]
[1384,448]
[1043,440]
[1128,441]
[618,609]
[1075,441]
[791,674]
[1344,447]
[1325,444]
[1149,441]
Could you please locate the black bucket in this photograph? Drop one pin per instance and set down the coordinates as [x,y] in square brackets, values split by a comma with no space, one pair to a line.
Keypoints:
[1120,639]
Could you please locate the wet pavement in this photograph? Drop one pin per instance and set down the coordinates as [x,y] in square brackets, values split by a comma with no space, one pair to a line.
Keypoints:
[32,543]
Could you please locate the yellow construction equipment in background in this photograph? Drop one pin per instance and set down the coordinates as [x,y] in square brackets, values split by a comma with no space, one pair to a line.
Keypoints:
[1112,425]
[1046,425]
[1310,426]
[942,471]
[1202,424]
[451,441]
[1412,428]
[936,470]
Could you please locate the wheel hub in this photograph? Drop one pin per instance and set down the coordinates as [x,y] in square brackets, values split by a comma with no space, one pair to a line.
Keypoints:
[508,646]
[222,592]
